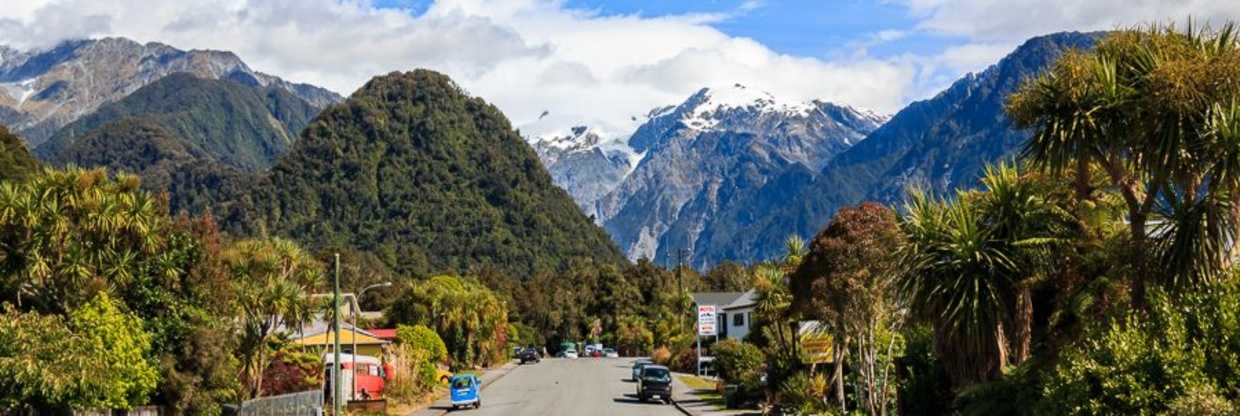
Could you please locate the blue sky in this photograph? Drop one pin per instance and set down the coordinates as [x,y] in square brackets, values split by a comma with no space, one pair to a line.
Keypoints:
[821,29]
[606,62]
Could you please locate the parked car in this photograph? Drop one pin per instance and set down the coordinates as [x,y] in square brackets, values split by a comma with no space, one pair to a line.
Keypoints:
[655,381]
[637,367]
[589,351]
[570,354]
[465,391]
[610,353]
[529,355]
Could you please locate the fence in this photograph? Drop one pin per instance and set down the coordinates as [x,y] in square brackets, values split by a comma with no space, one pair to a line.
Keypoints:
[306,403]
[137,411]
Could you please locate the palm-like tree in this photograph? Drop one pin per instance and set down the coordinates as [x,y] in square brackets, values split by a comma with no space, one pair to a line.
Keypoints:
[960,277]
[971,265]
[1028,224]
[272,280]
[1155,110]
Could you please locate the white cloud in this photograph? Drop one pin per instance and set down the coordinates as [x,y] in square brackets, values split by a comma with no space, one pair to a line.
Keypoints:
[1010,20]
[524,55]
[533,55]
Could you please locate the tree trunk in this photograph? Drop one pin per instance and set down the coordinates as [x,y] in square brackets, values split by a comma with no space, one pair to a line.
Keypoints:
[840,351]
[1136,226]
[1083,188]
[1023,326]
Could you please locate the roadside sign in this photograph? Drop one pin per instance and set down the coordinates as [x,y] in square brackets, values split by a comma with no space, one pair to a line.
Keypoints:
[706,320]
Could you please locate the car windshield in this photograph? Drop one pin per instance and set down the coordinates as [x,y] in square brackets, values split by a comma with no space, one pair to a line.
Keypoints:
[461,383]
[657,373]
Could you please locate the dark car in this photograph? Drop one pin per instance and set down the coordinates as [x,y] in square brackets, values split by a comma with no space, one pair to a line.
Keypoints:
[637,368]
[656,381]
[529,355]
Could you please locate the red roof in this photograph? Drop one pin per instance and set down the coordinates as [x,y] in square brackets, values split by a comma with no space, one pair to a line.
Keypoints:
[383,333]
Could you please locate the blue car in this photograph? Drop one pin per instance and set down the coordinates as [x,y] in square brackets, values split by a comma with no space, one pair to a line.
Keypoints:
[465,391]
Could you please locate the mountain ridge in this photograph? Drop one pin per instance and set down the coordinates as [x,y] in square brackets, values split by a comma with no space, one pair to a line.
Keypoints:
[43,90]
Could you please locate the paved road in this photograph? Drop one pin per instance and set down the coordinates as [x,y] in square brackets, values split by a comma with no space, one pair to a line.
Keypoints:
[586,386]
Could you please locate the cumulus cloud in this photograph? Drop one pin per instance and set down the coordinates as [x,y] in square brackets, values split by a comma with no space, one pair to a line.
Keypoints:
[1019,19]
[528,56]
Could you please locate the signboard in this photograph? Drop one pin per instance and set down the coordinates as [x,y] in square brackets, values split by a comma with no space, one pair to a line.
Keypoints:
[706,320]
[816,349]
[816,343]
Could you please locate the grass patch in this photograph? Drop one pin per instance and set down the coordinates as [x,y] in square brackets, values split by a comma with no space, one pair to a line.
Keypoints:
[697,383]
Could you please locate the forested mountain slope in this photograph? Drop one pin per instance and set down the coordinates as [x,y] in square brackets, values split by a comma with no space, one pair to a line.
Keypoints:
[429,179]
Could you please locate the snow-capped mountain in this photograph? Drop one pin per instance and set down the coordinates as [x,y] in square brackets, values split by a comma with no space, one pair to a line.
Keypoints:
[43,90]
[715,149]
[808,132]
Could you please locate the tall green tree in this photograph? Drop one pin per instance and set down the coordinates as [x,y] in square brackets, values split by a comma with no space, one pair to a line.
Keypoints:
[68,235]
[775,326]
[97,358]
[970,266]
[848,282]
[471,319]
[1155,111]
[274,279]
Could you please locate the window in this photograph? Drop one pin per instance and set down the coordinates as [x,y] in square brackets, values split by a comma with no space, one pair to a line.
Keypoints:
[738,319]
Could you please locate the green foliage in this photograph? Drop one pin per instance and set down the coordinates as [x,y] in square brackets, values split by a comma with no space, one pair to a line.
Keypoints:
[222,121]
[728,276]
[1156,110]
[1186,353]
[633,337]
[430,180]
[66,236]
[848,282]
[15,159]
[273,279]
[96,359]
[805,394]
[472,320]
[421,338]
[740,363]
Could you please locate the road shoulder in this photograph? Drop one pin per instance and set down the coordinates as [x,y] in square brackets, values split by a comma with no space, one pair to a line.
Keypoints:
[701,399]
[444,404]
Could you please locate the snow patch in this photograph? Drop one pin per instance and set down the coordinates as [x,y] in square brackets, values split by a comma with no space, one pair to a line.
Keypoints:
[19,91]
[709,103]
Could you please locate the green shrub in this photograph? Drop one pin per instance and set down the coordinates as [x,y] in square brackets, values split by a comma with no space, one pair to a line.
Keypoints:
[420,337]
[1186,346]
[805,394]
[740,363]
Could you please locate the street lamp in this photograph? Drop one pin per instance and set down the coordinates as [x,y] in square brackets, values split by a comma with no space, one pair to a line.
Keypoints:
[357,309]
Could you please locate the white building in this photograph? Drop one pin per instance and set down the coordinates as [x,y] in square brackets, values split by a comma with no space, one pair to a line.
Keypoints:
[734,311]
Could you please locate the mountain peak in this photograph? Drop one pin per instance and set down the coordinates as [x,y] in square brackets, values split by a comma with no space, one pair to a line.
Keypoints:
[42,90]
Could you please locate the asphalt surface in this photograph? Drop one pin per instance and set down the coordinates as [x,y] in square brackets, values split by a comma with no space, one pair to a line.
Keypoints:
[585,386]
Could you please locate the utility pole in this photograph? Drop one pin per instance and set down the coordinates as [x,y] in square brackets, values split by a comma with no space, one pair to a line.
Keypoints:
[680,267]
[337,387]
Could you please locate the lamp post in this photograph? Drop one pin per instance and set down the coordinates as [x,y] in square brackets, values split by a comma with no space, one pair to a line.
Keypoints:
[357,309]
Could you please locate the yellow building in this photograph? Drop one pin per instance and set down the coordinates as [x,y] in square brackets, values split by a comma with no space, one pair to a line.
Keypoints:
[319,337]
[366,343]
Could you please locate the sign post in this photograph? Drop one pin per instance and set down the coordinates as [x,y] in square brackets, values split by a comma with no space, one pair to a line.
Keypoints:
[705,327]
